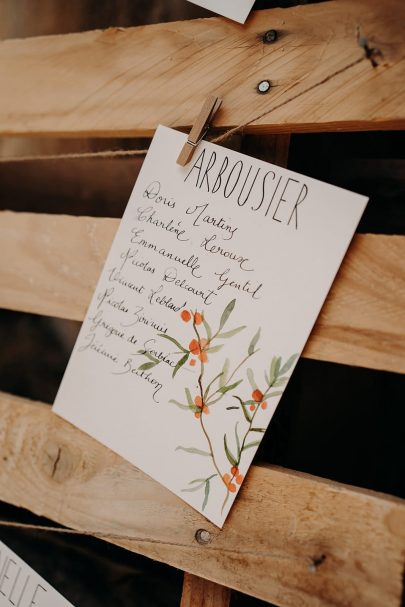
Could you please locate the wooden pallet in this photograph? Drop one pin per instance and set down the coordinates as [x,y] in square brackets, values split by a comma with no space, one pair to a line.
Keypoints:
[291,538]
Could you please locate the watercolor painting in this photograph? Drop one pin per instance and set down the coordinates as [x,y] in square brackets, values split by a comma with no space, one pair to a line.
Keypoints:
[226,389]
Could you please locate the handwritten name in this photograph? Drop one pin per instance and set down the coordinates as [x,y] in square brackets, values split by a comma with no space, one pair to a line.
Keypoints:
[163,300]
[98,322]
[106,297]
[147,376]
[141,318]
[148,215]
[190,262]
[98,347]
[115,276]
[170,275]
[209,246]
[131,255]
[244,287]
[218,222]
[152,192]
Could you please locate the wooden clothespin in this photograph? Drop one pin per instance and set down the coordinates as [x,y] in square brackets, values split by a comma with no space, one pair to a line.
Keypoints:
[200,128]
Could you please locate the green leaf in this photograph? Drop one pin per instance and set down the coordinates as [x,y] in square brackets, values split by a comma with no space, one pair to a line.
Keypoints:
[181,362]
[288,364]
[180,405]
[193,450]
[214,348]
[147,366]
[268,395]
[225,371]
[253,343]
[245,411]
[206,494]
[257,429]
[198,480]
[229,455]
[274,368]
[280,382]
[254,443]
[226,389]
[226,313]
[174,341]
[189,398]
[266,378]
[225,500]
[237,440]
[212,402]
[190,489]
[207,390]
[207,328]
[230,408]
[251,379]
[149,356]
[231,333]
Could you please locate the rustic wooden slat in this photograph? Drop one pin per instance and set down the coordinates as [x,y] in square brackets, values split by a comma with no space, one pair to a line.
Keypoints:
[291,539]
[49,264]
[126,81]
[198,592]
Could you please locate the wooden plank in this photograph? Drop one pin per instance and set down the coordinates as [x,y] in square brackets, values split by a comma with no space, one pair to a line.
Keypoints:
[291,539]
[198,592]
[126,81]
[49,264]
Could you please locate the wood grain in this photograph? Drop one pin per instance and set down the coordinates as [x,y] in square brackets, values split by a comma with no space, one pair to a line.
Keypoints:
[198,592]
[290,538]
[49,264]
[125,81]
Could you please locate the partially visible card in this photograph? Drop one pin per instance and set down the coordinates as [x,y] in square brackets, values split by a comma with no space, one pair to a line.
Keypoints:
[21,586]
[238,10]
[210,290]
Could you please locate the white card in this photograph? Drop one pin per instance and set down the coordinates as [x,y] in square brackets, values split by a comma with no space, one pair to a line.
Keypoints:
[21,586]
[238,10]
[220,267]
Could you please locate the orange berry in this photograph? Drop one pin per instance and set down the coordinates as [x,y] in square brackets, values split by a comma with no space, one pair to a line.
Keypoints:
[257,396]
[232,487]
[192,362]
[264,405]
[203,357]
[234,470]
[206,409]
[198,401]
[197,415]
[198,318]
[239,479]
[194,347]
[226,478]
[185,315]
[252,407]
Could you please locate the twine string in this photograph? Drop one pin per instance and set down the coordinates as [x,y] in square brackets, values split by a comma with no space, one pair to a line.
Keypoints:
[219,139]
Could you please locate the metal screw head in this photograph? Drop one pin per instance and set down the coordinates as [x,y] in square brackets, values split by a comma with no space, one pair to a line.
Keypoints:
[203,536]
[263,87]
[270,36]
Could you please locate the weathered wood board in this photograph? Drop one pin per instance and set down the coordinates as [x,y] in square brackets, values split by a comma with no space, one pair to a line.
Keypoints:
[198,592]
[49,264]
[291,539]
[126,81]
